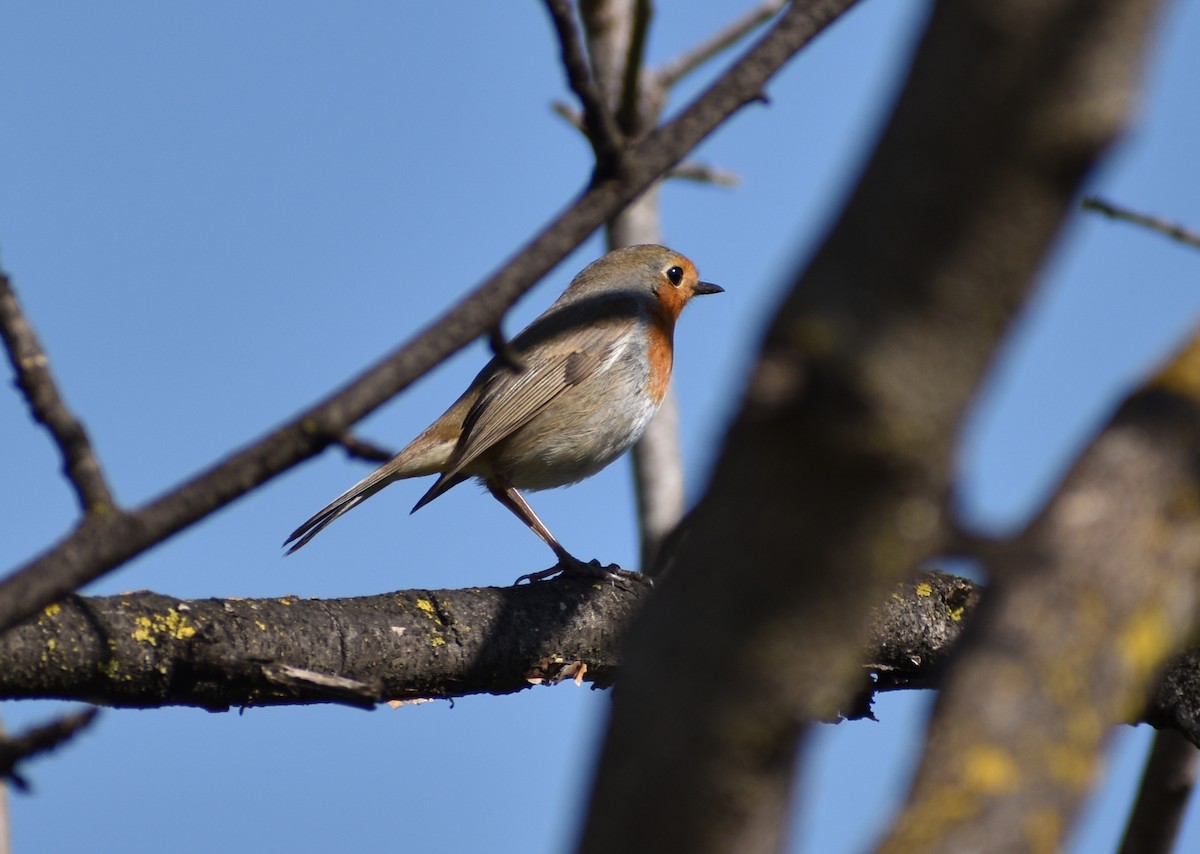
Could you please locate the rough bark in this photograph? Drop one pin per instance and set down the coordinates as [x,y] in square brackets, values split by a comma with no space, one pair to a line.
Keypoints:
[832,481]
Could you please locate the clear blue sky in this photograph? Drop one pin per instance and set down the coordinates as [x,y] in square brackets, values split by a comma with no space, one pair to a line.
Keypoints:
[216,212]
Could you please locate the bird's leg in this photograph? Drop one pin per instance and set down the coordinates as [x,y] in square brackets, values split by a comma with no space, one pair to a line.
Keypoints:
[507,495]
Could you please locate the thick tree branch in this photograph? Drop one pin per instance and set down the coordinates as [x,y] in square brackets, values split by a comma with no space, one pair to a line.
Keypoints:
[95,548]
[32,371]
[1084,610]
[145,650]
[832,480]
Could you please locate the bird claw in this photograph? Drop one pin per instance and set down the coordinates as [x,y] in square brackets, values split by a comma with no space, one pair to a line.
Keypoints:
[592,569]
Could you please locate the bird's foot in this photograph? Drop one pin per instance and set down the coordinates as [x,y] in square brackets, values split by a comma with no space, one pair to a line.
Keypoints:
[570,565]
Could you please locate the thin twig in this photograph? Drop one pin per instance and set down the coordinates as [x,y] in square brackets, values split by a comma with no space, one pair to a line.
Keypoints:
[602,131]
[681,66]
[704,173]
[361,449]
[569,114]
[95,549]
[1162,226]
[37,384]
[40,739]
[504,351]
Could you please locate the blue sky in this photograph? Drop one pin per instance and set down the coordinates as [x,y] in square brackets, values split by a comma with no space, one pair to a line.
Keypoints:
[215,213]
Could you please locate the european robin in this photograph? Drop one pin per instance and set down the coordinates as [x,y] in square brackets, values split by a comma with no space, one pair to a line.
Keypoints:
[575,389]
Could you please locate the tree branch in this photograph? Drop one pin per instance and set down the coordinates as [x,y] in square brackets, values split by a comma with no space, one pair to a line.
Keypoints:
[1173,230]
[722,40]
[146,650]
[1084,609]
[600,126]
[38,740]
[833,478]
[95,548]
[32,371]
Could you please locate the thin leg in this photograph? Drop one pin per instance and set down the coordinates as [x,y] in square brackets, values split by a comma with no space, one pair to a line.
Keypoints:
[507,495]
[514,501]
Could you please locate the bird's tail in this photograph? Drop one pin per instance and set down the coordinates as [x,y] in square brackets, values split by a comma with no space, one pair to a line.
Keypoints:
[348,500]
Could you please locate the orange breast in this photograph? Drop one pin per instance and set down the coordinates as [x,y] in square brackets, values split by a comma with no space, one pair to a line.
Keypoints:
[660,356]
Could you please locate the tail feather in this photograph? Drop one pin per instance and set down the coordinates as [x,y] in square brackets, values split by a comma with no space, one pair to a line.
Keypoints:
[345,502]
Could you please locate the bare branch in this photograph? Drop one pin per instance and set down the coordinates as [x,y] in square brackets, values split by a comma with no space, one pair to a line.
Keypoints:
[40,739]
[94,549]
[1111,558]
[146,650]
[718,43]
[833,477]
[35,381]
[631,114]
[1172,230]
[602,131]
[361,449]
[569,115]
[704,173]
[503,350]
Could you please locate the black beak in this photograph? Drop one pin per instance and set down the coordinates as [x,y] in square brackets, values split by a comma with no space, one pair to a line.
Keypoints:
[703,288]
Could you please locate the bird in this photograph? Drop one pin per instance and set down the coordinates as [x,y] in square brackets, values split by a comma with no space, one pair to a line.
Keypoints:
[568,395]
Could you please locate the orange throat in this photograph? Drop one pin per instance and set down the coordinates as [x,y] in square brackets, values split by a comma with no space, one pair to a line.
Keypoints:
[662,330]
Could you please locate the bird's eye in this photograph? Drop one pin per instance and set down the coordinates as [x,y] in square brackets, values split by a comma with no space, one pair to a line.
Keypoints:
[675,275]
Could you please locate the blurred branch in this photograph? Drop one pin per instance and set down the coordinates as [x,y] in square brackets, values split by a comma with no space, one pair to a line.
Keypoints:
[32,371]
[361,449]
[833,478]
[95,548]
[38,740]
[722,40]
[704,173]
[1163,795]
[1162,226]
[1084,610]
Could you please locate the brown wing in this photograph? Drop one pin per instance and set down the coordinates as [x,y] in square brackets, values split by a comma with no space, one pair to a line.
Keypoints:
[511,399]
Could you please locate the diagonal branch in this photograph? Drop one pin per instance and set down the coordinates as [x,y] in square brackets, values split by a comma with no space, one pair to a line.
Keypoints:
[720,41]
[1173,230]
[93,549]
[38,740]
[832,479]
[35,381]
